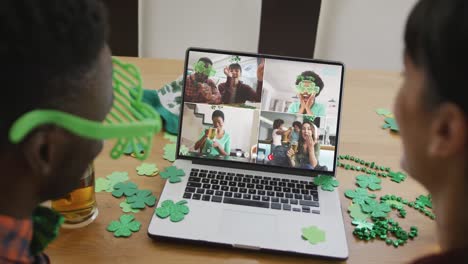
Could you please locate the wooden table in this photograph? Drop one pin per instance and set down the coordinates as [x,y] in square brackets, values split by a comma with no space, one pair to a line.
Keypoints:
[361,135]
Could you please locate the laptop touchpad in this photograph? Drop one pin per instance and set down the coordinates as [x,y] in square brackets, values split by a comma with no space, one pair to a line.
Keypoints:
[247,228]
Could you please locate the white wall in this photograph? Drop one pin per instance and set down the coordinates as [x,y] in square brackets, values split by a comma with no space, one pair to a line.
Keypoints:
[364,34]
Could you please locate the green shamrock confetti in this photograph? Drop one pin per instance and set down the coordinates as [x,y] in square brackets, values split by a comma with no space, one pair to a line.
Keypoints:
[176,211]
[359,196]
[423,201]
[184,150]
[376,209]
[127,188]
[170,152]
[362,224]
[313,234]
[390,123]
[125,226]
[328,183]
[173,174]
[141,199]
[103,185]
[147,169]
[117,176]
[394,203]
[126,208]
[171,138]
[372,182]
[397,176]
[383,111]
[356,213]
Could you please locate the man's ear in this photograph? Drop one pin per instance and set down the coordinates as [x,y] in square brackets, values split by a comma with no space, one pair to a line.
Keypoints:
[43,149]
[447,131]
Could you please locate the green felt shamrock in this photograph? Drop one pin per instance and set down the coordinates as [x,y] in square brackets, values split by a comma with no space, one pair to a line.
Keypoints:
[127,188]
[397,176]
[362,224]
[171,138]
[184,150]
[376,209]
[395,203]
[125,226]
[126,208]
[390,123]
[141,199]
[359,196]
[176,211]
[117,176]
[147,169]
[173,174]
[103,185]
[129,149]
[372,182]
[170,152]
[356,213]
[423,200]
[328,183]
[313,234]
[383,111]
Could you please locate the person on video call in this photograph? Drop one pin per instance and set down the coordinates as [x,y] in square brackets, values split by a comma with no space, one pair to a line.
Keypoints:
[215,141]
[199,88]
[234,91]
[294,135]
[309,85]
[278,131]
[306,157]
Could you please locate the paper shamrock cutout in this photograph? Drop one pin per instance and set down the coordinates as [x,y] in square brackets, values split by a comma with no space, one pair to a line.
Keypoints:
[359,196]
[127,188]
[328,183]
[376,209]
[117,176]
[129,149]
[397,176]
[125,226]
[313,234]
[423,201]
[126,208]
[184,150]
[176,211]
[170,152]
[171,138]
[103,185]
[383,112]
[147,169]
[372,182]
[395,203]
[390,123]
[141,199]
[362,224]
[173,174]
[356,212]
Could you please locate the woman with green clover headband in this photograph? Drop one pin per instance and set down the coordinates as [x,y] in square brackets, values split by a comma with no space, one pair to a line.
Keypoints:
[199,88]
[309,85]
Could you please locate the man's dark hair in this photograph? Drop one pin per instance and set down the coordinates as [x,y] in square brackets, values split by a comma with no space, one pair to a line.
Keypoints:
[277,123]
[297,123]
[318,81]
[235,66]
[46,48]
[217,113]
[206,60]
[436,38]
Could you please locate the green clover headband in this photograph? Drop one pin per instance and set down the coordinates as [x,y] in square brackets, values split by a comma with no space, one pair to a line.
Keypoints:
[200,67]
[130,120]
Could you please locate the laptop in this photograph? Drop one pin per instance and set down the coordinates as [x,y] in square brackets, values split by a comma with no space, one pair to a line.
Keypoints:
[254,131]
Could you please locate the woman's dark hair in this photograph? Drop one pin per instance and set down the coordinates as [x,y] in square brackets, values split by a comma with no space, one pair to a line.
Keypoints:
[206,60]
[318,81]
[217,113]
[436,40]
[277,123]
[297,123]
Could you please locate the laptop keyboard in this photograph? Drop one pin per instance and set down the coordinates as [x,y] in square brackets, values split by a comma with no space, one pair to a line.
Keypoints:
[249,190]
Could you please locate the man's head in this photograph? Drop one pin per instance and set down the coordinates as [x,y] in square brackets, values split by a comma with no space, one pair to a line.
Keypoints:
[432,107]
[236,70]
[201,77]
[54,56]
[297,126]
[307,75]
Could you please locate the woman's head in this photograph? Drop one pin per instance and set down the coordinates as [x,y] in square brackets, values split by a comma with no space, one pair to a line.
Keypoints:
[307,129]
[430,108]
[277,123]
[310,76]
[218,118]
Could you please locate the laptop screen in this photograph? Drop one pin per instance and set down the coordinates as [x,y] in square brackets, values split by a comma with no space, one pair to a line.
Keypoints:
[266,110]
